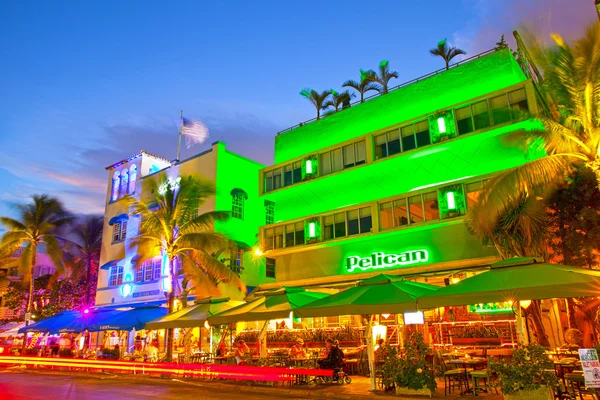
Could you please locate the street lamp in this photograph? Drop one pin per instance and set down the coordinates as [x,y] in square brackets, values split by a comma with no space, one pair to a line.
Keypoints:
[525,310]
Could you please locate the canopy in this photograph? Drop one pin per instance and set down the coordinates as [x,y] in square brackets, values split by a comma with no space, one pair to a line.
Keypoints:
[135,318]
[57,321]
[14,331]
[86,321]
[276,304]
[195,315]
[517,279]
[376,295]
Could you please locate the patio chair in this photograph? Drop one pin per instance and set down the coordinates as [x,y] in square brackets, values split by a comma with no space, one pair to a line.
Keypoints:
[453,378]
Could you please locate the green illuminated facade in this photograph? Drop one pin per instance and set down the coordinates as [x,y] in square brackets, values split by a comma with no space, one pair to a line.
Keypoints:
[385,184]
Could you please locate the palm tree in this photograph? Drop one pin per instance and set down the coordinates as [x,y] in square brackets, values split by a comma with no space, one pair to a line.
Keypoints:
[38,224]
[364,85]
[384,76]
[339,100]
[171,226]
[316,98]
[446,52]
[86,244]
[569,135]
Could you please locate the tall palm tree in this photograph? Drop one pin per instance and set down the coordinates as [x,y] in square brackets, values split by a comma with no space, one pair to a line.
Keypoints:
[38,224]
[318,99]
[339,100]
[446,52]
[384,76]
[170,226]
[569,135]
[364,85]
[86,243]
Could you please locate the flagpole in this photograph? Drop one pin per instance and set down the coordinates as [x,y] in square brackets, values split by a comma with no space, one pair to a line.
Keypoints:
[179,136]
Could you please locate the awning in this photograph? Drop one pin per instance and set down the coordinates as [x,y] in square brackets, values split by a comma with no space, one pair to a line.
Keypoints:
[118,218]
[514,280]
[237,191]
[193,316]
[14,331]
[376,295]
[109,264]
[53,323]
[85,321]
[135,318]
[276,304]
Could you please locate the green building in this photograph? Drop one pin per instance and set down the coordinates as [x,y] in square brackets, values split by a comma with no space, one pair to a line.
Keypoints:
[384,185]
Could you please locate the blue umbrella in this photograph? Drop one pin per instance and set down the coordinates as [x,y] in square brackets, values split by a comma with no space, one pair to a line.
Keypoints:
[87,320]
[53,323]
[127,320]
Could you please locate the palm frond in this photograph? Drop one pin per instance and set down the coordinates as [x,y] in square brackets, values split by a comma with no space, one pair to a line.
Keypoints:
[12,224]
[217,270]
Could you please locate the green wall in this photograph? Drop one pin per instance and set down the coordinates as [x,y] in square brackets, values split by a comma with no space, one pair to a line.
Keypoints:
[475,78]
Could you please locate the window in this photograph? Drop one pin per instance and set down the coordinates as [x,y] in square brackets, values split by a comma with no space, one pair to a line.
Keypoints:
[124,182]
[359,221]
[431,206]
[294,234]
[386,216]
[123,230]
[287,175]
[408,138]
[336,160]
[276,178]
[325,163]
[148,271]
[415,207]
[499,106]
[481,115]
[463,120]
[132,178]
[422,133]
[297,172]
[115,186]
[473,192]
[139,273]
[334,226]
[518,100]
[116,232]
[352,222]
[237,206]
[157,269]
[269,212]
[270,267]
[268,181]
[365,221]
[115,277]
[274,238]
[400,212]
[278,237]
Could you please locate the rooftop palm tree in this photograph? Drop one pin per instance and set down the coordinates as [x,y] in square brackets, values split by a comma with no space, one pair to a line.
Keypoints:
[569,135]
[171,226]
[339,100]
[364,85]
[317,99]
[37,225]
[384,76]
[446,52]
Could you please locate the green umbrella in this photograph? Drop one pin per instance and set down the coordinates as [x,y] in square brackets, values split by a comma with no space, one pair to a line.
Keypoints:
[195,315]
[276,304]
[517,279]
[377,295]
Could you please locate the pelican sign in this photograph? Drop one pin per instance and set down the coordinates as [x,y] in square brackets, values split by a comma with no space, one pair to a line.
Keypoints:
[379,260]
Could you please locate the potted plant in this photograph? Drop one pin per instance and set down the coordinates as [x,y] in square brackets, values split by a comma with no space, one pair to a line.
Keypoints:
[477,335]
[529,375]
[415,375]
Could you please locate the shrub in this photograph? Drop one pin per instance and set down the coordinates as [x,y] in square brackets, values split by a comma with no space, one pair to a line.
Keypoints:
[414,371]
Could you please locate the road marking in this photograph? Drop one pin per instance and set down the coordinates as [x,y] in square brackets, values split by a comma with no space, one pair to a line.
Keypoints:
[71,392]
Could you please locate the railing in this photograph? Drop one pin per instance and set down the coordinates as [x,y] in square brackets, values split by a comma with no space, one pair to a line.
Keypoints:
[398,87]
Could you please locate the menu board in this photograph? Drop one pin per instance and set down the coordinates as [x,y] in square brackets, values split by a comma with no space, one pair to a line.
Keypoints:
[591,367]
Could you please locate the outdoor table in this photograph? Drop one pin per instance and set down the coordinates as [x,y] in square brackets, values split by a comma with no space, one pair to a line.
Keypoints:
[463,362]
[301,362]
[563,367]
[459,354]
[221,359]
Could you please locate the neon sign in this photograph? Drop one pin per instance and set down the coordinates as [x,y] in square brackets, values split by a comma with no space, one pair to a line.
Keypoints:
[378,260]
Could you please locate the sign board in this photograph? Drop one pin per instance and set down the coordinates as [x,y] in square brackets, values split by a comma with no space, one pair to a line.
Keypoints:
[378,260]
[146,293]
[591,367]
[28,317]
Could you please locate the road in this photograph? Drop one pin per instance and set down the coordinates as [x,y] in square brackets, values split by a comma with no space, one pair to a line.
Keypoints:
[27,386]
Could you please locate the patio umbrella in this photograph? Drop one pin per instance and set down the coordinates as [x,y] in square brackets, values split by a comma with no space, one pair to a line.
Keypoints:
[195,315]
[53,323]
[87,321]
[12,331]
[276,304]
[127,320]
[377,295]
[517,279]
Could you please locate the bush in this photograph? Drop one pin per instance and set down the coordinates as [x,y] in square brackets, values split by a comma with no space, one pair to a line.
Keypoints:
[414,372]
[477,331]
[529,369]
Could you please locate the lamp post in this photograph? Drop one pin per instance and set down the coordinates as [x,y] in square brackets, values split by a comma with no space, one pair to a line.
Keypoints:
[525,310]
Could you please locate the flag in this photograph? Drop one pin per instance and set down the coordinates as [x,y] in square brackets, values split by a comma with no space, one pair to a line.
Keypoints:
[195,132]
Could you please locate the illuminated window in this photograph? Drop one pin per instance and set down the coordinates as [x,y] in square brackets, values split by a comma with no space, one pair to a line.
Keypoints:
[431,206]
[157,268]
[400,212]
[116,181]
[237,206]
[123,230]
[415,206]
[116,232]
[132,179]
[499,106]
[269,212]
[270,267]
[124,182]
[276,178]
[386,215]
[278,238]
[464,121]
[115,277]
[269,241]
[139,273]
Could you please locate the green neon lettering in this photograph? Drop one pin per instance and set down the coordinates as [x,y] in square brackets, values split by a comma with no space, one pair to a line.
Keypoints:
[379,260]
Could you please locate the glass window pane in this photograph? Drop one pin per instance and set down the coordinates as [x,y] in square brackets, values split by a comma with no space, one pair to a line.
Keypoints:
[431,206]
[518,99]
[366,221]
[463,120]
[148,272]
[299,228]
[385,215]
[287,175]
[325,163]
[289,235]
[380,146]
[157,269]
[328,227]
[400,212]
[269,181]
[277,178]
[481,115]
[340,225]
[279,237]
[337,162]
[500,111]
[408,138]
[269,234]
[422,129]
[349,156]
[393,138]
[416,209]
[473,192]
[352,222]
[361,152]
[297,173]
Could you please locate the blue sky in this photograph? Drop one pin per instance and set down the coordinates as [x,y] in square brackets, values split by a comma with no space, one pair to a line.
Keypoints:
[85,84]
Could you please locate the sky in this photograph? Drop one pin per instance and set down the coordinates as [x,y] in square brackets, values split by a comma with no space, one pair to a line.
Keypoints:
[86,84]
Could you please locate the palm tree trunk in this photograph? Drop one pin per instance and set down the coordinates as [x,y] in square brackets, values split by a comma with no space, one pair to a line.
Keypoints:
[536,316]
[31,290]
[447,64]
[171,308]
[88,274]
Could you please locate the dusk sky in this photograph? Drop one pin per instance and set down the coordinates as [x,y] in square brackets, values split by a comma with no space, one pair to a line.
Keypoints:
[84,85]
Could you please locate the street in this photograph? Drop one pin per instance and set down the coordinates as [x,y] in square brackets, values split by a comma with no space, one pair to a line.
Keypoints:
[27,386]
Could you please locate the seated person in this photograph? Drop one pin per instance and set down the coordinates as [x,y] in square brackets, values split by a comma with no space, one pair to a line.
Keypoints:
[334,358]
[298,350]
[241,351]
[222,348]
[151,353]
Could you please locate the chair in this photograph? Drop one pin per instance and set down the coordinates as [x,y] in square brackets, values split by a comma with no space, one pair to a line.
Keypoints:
[477,376]
[453,378]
